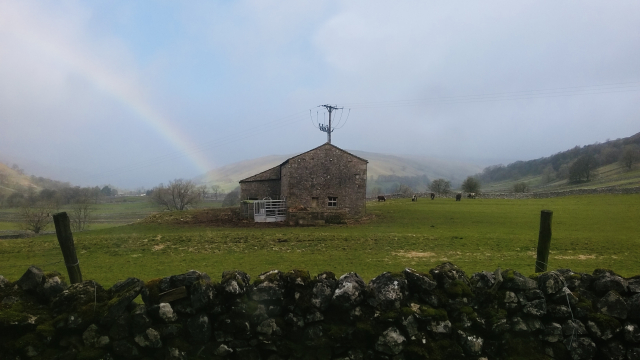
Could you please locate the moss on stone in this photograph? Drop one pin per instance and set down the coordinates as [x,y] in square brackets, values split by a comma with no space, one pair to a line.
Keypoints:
[30,339]
[493,315]
[89,353]
[397,313]
[365,327]
[436,314]
[414,352]
[21,312]
[457,288]
[153,290]
[604,321]
[295,274]
[46,329]
[524,348]
[179,344]
[508,274]
[335,331]
[471,314]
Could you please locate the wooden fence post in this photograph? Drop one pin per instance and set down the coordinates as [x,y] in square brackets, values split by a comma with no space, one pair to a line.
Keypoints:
[544,240]
[65,239]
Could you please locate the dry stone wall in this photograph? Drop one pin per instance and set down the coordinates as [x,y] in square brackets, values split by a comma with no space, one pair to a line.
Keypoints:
[535,195]
[441,314]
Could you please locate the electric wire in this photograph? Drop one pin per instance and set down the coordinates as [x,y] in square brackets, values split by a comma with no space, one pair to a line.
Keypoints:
[611,88]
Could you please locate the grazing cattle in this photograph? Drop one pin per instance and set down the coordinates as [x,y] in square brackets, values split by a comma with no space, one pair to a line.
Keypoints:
[433,196]
[471,195]
[382,198]
[414,198]
[458,196]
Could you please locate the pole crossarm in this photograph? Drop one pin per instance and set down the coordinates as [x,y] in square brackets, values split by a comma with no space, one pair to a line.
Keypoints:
[328,129]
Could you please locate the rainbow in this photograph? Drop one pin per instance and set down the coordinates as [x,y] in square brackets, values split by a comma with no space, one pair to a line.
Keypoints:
[115,84]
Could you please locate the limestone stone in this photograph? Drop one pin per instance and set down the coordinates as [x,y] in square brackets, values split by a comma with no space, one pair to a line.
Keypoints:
[613,350]
[149,339]
[571,327]
[550,282]
[386,291]
[634,307]
[471,344]
[552,332]
[605,281]
[350,291]
[632,333]
[32,280]
[535,308]
[199,328]
[391,342]
[203,294]
[235,282]
[581,348]
[614,305]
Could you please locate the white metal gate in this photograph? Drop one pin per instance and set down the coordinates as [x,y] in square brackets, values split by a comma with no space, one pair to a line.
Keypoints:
[269,210]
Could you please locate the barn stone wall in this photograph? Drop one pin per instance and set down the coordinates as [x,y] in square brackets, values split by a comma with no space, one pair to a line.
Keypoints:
[409,315]
[260,189]
[325,172]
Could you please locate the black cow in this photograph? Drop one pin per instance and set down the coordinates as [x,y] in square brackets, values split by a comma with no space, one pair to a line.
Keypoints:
[433,196]
[458,196]
[382,198]
[414,198]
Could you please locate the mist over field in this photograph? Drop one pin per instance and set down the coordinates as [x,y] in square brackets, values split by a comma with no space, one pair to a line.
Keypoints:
[135,94]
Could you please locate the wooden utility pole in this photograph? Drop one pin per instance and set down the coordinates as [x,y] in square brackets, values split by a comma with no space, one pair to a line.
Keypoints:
[544,240]
[65,239]
[329,129]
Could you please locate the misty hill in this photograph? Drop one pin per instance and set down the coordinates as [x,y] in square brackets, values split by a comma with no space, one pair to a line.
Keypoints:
[385,171]
[607,160]
[14,179]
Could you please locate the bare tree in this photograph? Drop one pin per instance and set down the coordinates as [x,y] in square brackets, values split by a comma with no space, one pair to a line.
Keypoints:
[548,174]
[404,190]
[179,195]
[81,212]
[36,217]
[471,185]
[440,186]
[215,190]
[521,187]
[630,155]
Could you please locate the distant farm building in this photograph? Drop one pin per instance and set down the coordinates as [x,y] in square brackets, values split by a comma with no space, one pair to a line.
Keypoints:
[321,184]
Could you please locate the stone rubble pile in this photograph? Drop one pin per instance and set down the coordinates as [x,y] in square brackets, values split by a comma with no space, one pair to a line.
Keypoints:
[442,314]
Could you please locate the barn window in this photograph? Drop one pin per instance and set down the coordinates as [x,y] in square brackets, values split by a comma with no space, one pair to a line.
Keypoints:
[333,201]
[314,202]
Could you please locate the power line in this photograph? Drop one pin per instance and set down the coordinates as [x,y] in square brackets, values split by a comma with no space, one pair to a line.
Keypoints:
[611,88]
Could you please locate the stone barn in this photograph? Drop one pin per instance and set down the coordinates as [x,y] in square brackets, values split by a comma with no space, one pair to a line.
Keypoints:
[321,183]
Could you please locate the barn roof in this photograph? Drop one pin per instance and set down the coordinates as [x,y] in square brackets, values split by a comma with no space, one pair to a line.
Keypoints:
[272,174]
[325,144]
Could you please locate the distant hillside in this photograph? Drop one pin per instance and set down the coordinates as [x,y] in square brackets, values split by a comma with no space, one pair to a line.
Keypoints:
[385,171]
[607,160]
[14,179]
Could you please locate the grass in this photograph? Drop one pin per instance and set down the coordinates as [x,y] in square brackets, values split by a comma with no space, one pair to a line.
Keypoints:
[118,211]
[609,175]
[589,232]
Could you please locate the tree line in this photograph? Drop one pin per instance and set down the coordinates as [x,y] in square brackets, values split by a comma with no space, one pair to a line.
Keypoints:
[574,165]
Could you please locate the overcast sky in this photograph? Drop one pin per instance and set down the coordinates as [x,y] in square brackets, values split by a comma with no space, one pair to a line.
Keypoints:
[138,93]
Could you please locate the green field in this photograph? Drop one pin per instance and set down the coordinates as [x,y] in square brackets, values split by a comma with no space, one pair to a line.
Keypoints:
[589,232]
[114,212]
